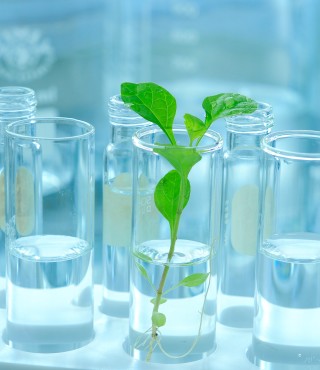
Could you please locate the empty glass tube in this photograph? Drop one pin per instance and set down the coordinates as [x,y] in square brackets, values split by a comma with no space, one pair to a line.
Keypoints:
[240,208]
[117,207]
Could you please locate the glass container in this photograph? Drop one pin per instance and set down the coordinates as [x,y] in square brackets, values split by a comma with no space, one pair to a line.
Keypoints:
[240,211]
[16,102]
[117,207]
[50,266]
[173,272]
[287,297]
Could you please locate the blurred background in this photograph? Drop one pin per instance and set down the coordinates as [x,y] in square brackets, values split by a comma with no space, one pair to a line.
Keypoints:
[75,54]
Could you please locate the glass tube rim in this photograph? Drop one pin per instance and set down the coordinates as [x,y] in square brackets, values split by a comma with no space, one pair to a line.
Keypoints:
[89,129]
[268,148]
[261,120]
[16,100]
[120,114]
[154,129]
[16,91]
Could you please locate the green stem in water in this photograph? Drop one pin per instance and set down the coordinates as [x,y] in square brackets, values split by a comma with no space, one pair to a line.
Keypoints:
[174,236]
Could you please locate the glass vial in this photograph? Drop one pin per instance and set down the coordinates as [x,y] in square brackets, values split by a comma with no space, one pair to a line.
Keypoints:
[240,209]
[15,103]
[163,257]
[49,272]
[117,207]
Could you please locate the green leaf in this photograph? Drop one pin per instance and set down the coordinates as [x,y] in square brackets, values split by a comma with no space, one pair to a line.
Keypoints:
[158,319]
[193,280]
[142,270]
[227,104]
[218,106]
[195,126]
[181,158]
[144,274]
[190,281]
[162,300]
[143,257]
[167,196]
[152,102]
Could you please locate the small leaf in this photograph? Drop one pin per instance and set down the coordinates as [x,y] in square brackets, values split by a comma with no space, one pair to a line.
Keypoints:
[144,274]
[158,319]
[181,158]
[142,270]
[143,257]
[193,280]
[153,103]
[218,106]
[227,104]
[162,300]
[195,126]
[167,196]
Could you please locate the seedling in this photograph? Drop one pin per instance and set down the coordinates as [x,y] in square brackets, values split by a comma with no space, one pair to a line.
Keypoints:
[172,193]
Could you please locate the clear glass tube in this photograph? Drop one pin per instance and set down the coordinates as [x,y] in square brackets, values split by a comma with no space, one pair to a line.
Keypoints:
[240,227]
[165,256]
[287,296]
[16,103]
[117,207]
[49,175]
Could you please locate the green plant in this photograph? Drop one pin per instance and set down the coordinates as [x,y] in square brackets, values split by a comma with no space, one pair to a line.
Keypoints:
[172,192]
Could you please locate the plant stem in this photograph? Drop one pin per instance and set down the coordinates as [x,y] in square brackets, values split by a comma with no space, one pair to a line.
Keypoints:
[174,236]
